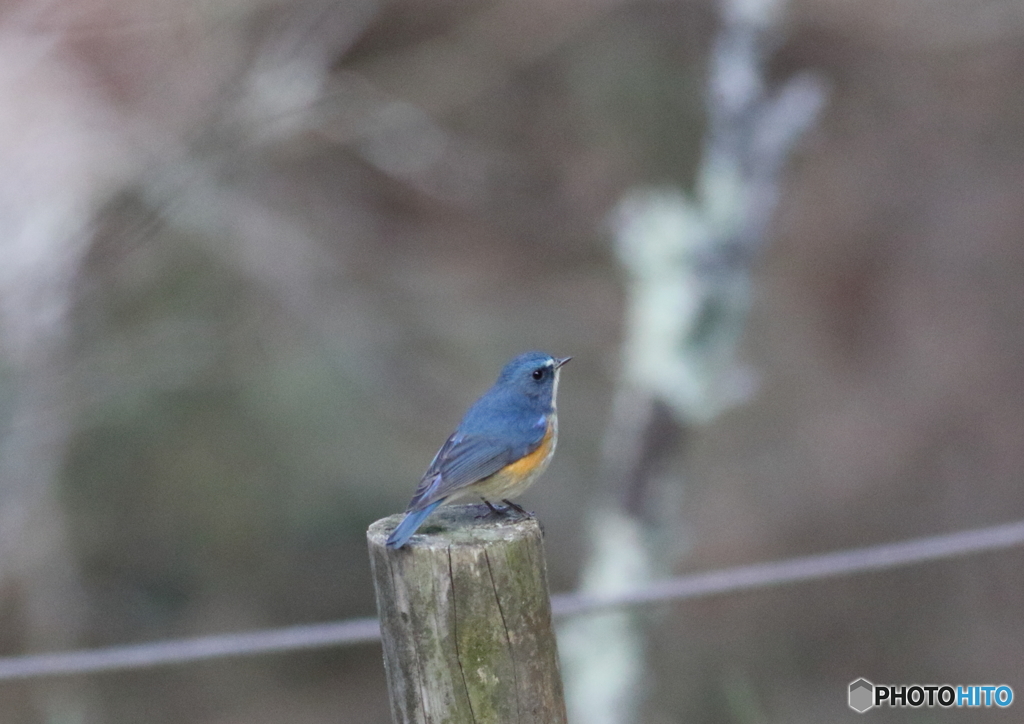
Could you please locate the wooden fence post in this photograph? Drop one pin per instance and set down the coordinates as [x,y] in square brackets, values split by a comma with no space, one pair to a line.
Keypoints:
[466,621]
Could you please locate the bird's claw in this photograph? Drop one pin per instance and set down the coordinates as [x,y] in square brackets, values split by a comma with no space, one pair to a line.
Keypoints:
[503,512]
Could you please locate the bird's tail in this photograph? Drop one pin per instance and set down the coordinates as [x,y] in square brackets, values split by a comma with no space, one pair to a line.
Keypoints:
[410,523]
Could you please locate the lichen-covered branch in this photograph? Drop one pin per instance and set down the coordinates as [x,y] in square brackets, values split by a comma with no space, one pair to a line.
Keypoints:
[687,262]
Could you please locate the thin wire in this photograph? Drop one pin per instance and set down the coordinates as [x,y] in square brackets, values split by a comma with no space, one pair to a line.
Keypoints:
[161,653]
[366,630]
[824,565]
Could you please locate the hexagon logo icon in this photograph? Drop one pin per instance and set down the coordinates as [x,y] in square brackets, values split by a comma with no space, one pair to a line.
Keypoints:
[862,694]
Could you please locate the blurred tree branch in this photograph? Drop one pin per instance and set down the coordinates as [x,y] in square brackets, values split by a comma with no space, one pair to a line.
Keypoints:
[68,149]
[62,159]
[688,265]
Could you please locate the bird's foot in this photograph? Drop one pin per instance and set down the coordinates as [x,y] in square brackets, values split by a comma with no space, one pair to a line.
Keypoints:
[492,510]
[516,507]
[503,511]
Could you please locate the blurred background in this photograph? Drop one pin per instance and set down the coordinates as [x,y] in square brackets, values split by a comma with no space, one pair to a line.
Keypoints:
[258,256]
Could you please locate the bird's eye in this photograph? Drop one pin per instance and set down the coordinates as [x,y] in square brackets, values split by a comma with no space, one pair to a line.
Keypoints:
[538,374]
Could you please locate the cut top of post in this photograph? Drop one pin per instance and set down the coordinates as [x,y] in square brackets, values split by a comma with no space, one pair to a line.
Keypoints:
[460,525]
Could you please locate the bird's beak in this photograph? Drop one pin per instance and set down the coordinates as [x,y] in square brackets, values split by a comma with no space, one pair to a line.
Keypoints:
[560,362]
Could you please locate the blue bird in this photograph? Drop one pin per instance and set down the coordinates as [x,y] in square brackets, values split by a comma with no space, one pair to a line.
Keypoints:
[503,444]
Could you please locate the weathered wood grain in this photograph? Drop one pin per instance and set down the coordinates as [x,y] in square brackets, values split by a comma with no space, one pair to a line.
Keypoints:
[466,620]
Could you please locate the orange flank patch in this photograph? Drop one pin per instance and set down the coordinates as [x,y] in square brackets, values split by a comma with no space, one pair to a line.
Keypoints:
[525,466]
[513,479]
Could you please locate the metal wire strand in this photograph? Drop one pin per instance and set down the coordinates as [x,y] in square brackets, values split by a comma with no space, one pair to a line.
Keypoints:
[366,630]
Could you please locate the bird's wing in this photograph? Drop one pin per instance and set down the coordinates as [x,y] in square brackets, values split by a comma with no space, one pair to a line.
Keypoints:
[461,461]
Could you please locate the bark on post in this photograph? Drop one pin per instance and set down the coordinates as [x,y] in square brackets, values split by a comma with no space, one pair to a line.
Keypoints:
[466,621]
